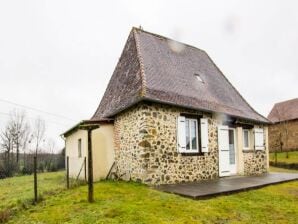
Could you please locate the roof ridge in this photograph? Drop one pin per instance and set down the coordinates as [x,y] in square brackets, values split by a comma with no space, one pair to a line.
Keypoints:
[286,101]
[235,88]
[166,38]
[141,62]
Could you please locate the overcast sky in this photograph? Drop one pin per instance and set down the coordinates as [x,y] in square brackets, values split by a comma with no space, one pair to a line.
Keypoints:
[58,56]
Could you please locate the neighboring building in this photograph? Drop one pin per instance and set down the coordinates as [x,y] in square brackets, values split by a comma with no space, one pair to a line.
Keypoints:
[175,118]
[283,133]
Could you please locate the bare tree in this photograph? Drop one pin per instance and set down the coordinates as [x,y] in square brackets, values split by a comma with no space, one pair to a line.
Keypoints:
[49,153]
[38,133]
[25,144]
[17,137]
[19,131]
[7,147]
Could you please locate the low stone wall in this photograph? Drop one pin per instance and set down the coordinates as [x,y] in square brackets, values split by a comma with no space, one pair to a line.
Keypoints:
[255,162]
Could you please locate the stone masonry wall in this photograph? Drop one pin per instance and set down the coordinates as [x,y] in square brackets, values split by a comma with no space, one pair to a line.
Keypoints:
[255,162]
[131,159]
[146,147]
[275,130]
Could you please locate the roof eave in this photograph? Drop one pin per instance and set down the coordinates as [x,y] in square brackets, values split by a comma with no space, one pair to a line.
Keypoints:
[84,122]
[188,107]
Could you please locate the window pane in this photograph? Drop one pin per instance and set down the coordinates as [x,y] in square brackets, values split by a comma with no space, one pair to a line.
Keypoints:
[187,134]
[80,148]
[193,128]
[246,145]
[231,147]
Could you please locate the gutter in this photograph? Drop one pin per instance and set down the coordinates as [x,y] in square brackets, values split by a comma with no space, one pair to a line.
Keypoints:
[187,107]
[83,123]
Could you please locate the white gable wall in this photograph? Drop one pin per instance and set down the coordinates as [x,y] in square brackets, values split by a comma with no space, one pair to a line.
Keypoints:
[71,151]
[102,148]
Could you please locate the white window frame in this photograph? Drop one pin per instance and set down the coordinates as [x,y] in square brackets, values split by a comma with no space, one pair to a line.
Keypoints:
[262,145]
[248,138]
[191,150]
[204,135]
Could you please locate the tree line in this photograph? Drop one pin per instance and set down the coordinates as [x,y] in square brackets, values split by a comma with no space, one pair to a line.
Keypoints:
[21,140]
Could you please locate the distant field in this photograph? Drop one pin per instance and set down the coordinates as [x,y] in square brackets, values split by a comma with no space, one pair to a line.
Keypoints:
[281,170]
[126,202]
[281,157]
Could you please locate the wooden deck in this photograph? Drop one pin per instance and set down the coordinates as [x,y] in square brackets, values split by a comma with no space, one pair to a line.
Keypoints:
[228,185]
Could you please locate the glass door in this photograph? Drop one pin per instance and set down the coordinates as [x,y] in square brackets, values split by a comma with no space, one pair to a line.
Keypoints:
[232,151]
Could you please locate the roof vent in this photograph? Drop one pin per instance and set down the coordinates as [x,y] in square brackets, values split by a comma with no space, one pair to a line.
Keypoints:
[198,76]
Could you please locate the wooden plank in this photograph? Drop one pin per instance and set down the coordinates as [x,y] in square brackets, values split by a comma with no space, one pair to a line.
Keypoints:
[228,185]
[67,172]
[35,179]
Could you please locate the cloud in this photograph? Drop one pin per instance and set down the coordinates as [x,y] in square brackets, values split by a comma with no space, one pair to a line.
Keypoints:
[59,55]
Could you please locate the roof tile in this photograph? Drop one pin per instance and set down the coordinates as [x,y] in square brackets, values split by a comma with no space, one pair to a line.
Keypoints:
[284,111]
[165,72]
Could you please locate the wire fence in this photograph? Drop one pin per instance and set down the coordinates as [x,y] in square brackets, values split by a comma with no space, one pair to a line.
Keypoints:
[76,171]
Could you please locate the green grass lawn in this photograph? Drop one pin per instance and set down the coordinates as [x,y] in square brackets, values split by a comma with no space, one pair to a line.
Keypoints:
[17,193]
[125,202]
[281,170]
[281,157]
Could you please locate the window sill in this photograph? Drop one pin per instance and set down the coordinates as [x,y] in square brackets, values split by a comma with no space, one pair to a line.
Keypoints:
[247,150]
[192,153]
[260,150]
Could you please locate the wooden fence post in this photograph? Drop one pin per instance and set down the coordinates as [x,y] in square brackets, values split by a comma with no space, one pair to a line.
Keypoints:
[67,172]
[89,128]
[35,179]
[90,168]
[85,168]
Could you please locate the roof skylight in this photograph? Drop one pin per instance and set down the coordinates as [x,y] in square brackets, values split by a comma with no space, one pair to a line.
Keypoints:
[199,77]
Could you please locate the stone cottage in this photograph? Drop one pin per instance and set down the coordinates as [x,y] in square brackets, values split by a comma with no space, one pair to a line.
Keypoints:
[169,115]
[283,132]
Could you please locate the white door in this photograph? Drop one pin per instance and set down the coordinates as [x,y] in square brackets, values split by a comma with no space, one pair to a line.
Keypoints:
[223,151]
[232,151]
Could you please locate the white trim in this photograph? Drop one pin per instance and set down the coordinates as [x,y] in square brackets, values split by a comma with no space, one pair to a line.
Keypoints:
[223,151]
[204,134]
[259,139]
[181,144]
[235,166]
[248,139]
[191,150]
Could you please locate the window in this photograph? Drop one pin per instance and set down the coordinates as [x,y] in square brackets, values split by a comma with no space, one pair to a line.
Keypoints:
[199,77]
[245,139]
[191,135]
[80,148]
[259,139]
[232,147]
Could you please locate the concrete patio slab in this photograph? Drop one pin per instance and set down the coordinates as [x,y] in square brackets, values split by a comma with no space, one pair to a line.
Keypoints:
[227,185]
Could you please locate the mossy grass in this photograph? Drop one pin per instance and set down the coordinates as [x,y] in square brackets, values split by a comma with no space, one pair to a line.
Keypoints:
[129,202]
[282,157]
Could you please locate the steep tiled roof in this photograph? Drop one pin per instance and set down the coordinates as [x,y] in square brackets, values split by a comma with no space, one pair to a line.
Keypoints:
[156,68]
[284,111]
